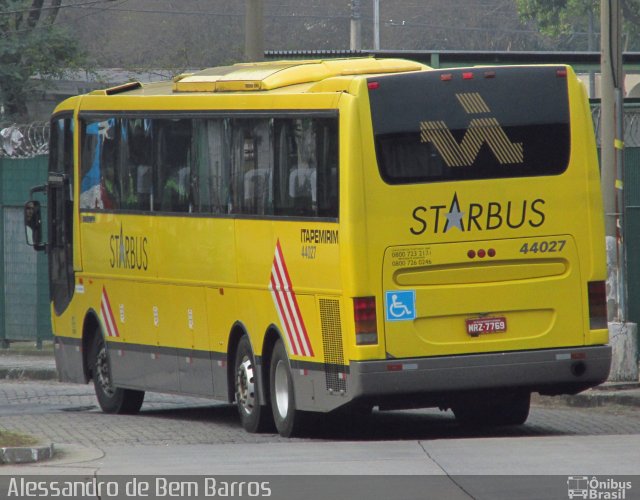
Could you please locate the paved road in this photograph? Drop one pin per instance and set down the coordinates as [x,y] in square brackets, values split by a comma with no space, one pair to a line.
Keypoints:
[176,436]
[67,413]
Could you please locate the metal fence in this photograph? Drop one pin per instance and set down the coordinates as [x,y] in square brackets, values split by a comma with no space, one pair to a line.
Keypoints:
[24,284]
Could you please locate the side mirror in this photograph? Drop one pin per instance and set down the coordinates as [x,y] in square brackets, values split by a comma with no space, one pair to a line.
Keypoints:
[33,224]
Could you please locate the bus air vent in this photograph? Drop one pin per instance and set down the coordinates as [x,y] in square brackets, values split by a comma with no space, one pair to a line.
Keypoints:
[332,342]
[125,87]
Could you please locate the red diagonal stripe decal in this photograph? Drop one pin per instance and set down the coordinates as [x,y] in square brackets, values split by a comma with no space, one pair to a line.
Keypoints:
[287,306]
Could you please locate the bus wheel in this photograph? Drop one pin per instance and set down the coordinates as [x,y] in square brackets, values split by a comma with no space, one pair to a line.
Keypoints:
[111,399]
[288,420]
[253,416]
[509,408]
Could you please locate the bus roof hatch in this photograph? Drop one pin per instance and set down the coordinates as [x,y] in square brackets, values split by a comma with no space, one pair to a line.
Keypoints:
[277,74]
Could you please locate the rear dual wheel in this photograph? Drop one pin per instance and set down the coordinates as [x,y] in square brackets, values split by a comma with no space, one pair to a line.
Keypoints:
[289,421]
[280,407]
[254,416]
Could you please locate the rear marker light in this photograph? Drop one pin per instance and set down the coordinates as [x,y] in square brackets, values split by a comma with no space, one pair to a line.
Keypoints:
[364,315]
[373,85]
[561,73]
[489,74]
[482,253]
[597,291]
[467,76]
[446,77]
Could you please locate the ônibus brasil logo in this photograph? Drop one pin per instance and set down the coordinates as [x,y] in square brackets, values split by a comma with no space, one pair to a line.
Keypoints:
[593,488]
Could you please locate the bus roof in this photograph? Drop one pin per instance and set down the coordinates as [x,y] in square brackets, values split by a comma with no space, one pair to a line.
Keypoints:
[249,77]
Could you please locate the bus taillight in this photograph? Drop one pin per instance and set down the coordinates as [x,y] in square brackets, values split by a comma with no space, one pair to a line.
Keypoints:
[597,305]
[364,314]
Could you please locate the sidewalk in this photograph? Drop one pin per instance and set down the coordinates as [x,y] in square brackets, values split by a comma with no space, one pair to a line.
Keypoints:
[609,393]
[24,361]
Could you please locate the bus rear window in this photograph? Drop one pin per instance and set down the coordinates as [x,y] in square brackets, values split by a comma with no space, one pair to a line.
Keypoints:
[479,123]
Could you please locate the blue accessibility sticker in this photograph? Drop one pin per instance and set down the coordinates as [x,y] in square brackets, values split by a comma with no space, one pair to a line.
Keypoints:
[400,305]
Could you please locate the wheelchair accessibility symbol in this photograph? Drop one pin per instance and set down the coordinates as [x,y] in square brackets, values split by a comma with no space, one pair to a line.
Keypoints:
[400,305]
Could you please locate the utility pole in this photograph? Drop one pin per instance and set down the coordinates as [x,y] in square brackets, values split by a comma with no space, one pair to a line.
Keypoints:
[591,47]
[376,24]
[356,26]
[254,30]
[612,146]
[622,334]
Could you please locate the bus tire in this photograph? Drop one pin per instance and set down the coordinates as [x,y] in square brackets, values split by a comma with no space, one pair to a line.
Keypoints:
[111,399]
[510,408]
[288,420]
[254,416]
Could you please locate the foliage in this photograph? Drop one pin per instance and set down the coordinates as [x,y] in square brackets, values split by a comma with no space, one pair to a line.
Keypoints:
[568,20]
[32,45]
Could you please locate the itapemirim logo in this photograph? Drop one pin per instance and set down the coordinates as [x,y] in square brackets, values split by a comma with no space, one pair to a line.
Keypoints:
[594,488]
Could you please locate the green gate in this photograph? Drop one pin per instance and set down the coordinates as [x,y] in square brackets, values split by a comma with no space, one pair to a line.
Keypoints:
[24,301]
[632,230]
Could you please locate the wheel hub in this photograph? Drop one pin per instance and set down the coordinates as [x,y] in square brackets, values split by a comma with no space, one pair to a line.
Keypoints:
[245,386]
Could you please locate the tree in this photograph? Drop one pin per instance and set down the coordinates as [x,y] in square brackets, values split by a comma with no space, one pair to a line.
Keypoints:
[569,20]
[31,44]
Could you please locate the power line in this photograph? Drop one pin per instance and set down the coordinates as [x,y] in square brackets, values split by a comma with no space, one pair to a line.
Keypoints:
[36,28]
[23,11]
[221,14]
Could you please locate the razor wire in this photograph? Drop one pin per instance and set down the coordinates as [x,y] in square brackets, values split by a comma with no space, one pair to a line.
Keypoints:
[631,126]
[32,139]
[24,140]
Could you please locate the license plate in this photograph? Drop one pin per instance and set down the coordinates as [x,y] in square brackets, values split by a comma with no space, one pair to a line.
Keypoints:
[481,326]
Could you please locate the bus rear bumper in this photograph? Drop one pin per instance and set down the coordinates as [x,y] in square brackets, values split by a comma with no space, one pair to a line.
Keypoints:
[548,371]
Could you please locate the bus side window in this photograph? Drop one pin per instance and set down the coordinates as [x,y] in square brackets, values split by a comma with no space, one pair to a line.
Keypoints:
[137,160]
[257,190]
[251,167]
[99,185]
[327,155]
[303,178]
[211,165]
[306,167]
[174,169]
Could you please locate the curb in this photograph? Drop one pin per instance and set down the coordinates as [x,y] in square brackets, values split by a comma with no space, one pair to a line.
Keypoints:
[28,374]
[26,454]
[591,400]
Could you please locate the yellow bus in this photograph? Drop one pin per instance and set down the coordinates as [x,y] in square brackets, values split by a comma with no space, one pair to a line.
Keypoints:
[319,235]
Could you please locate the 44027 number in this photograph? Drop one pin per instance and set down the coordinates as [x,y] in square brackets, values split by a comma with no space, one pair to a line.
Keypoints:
[543,246]
[308,251]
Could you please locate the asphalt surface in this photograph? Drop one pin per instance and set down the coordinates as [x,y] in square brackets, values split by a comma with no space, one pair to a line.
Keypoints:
[28,390]
[30,364]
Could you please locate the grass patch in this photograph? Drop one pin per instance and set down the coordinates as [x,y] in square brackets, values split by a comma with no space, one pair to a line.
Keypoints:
[14,439]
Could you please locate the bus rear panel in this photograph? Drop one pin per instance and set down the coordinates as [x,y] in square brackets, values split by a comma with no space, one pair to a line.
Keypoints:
[484,223]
